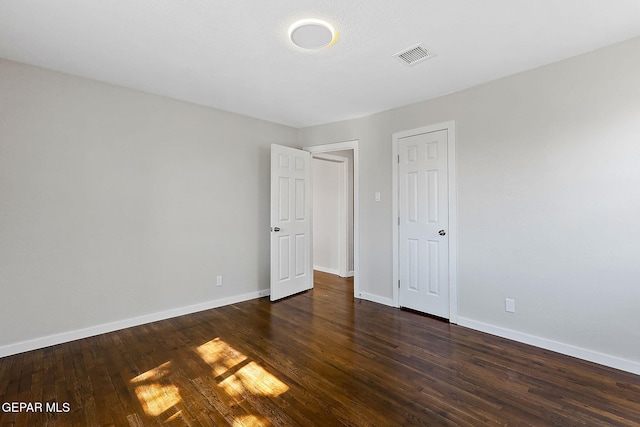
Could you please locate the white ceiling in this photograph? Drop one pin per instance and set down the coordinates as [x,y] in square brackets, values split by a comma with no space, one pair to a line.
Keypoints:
[235,54]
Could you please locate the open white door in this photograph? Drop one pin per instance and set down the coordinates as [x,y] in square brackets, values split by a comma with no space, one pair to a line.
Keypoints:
[291,226]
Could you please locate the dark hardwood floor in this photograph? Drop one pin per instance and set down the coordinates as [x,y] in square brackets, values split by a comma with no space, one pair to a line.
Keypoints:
[316,359]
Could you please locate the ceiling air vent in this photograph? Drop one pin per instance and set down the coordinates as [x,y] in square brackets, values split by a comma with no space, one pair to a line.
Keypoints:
[414,55]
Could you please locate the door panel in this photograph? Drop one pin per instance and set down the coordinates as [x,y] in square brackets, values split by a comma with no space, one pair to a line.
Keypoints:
[291,226]
[423,210]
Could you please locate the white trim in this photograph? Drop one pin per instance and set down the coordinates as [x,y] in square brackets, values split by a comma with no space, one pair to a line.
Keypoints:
[327,270]
[329,157]
[339,146]
[65,337]
[450,127]
[558,347]
[376,298]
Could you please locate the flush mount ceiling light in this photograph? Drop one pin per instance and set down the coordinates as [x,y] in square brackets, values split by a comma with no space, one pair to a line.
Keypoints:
[312,34]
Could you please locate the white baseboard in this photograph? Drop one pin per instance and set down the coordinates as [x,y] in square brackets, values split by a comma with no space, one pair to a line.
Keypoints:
[558,347]
[326,270]
[64,337]
[333,271]
[375,298]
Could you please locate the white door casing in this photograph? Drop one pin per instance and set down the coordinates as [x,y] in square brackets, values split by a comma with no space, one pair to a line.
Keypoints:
[291,222]
[423,231]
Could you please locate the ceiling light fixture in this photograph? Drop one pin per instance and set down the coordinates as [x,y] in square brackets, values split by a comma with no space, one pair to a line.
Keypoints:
[312,34]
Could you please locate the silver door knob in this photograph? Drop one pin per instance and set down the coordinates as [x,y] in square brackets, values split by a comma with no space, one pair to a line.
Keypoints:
[442,232]
[276,229]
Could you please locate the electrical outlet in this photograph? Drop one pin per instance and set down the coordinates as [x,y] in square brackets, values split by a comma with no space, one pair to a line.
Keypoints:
[377,196]
[510,305]
[219,281]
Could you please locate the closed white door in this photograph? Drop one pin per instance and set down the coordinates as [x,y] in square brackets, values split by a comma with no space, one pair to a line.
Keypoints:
[291,226]
[423,223]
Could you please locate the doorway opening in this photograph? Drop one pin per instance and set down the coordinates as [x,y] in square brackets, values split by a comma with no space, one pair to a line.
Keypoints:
[336,225]
[332,179]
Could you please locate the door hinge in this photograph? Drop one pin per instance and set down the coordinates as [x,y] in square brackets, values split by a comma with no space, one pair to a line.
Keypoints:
[398,284]
[398,158]
[398,220]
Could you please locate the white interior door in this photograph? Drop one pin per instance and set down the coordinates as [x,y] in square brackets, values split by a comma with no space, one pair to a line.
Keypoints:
[291,223]
[423,224]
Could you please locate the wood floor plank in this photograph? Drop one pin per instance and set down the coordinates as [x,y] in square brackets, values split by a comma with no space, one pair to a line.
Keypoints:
[319,358]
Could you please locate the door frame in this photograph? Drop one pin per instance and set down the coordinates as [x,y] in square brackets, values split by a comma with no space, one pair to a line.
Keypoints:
[343,223]
[339,146]
[450,127]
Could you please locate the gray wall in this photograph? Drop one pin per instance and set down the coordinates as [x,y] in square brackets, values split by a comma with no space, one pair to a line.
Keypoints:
[548,170]
[326,215]
[115,204]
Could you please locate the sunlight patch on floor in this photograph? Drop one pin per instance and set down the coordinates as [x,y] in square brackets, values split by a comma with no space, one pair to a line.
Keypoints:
[174,417]
[254,379]
[233,373]
[155,397]
[236,375]
[153,374]
[220,356]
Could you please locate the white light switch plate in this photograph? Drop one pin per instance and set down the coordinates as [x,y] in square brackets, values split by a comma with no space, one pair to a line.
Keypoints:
[510,305]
